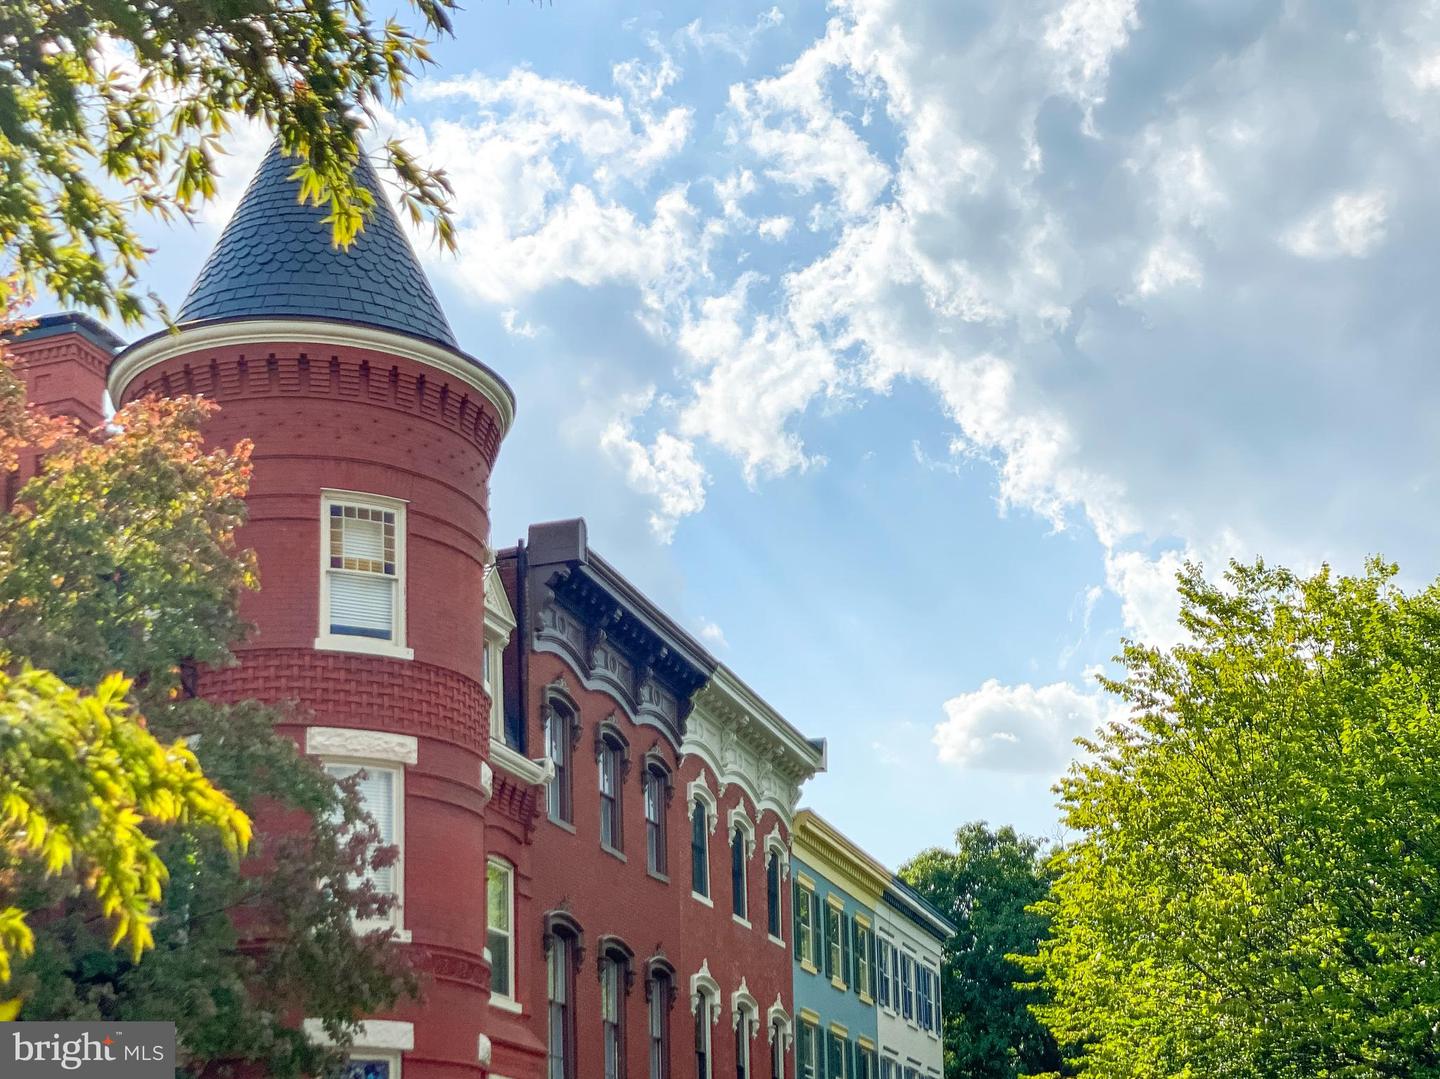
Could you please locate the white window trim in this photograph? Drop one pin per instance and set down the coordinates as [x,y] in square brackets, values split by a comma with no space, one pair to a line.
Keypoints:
[505,1001]
[381,750]
[699,788]
[704,986]
[375,1039]
[744,1005]
[326,641]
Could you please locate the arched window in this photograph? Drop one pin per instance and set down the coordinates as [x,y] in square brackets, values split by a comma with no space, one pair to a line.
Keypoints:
[659,996]
[657,794]
[610,756]
[704,1056]
[745,1017]
[773,892]
[559,737]
[615,966]
[739,886]
[562,958]
[699,848]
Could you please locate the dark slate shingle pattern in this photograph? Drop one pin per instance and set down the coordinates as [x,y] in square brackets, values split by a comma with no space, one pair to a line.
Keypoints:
[275,259]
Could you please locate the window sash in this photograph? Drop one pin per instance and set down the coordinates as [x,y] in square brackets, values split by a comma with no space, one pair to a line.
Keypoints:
[659,1028]
[610,797]
[557,748]
[559,973]
[499,907]
[833,930]
[738,884]
[654,823]
[699,850]
[377,791]
[772,894]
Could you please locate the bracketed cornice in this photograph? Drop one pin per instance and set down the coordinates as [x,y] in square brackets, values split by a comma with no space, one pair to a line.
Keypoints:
[817,843]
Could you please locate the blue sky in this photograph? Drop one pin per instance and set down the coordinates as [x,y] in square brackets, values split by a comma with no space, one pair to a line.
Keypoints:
[902,350]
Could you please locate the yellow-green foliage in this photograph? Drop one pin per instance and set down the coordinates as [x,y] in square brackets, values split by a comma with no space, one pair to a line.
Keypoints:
[80,779]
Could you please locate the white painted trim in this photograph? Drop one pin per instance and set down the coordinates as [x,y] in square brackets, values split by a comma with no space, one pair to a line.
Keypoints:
[703,981]
[507,1004]
[396,768]
[774,841]
[699,787]
[742,1000]
[509,868]
[395,1035]
[326,641]
[738,816]
[165,345]
[534,772]
[357,744]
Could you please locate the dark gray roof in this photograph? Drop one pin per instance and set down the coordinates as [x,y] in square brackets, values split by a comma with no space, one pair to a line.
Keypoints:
[275,259]
[72,322]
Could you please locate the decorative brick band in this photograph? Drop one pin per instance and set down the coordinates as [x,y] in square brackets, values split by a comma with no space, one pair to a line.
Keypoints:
[453,965]
[518,801]
[364,691]
[401,387]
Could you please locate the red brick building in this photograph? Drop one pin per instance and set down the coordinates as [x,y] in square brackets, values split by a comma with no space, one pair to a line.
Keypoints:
[593,815]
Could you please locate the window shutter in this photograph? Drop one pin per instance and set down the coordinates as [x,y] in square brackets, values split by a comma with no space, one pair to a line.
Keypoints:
[824,938]
[362,605]
[796,898]
[852,1051]
[855,956]
[847,949]
[872,963]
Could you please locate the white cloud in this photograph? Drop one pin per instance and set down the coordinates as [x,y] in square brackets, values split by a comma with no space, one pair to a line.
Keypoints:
[1021,728]
[735,40]
[1352,224]
[516,326]
[667,469]
[775,228]
[712,634]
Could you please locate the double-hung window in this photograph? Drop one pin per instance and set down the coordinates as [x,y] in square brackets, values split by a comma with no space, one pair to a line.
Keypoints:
[704,1057]
[863,984]
[500,920]
[808,1051]
[838,1056]
[805,927]
[659,1015]
[611,834]
[907,987]
[882,963]
[656,783]
[380,789]
[834,936]
[559,728]
[612,1016]
[772,894]
[362,582]
[739,885]
[560,978]
[699,848]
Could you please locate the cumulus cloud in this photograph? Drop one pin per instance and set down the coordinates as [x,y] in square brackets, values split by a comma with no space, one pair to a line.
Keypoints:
[1021,728]
[1162,268]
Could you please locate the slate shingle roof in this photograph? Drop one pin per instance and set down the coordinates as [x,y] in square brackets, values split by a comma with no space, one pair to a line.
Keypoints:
[275,260]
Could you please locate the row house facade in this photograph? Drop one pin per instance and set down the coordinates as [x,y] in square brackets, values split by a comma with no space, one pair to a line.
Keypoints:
[602,873]
[868,951]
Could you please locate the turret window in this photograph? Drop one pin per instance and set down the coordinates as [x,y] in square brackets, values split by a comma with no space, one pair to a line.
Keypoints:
[362,580]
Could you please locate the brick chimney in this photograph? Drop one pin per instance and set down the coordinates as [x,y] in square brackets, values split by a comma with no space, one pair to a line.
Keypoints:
[63,359]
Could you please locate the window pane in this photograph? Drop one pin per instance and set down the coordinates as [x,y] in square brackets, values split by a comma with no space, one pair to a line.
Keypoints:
[699,854]
[737,871]
[362,606]
[367,1069]
[376,789]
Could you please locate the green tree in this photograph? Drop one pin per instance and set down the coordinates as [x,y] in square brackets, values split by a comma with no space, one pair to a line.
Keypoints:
[113,107]
[986,885]
[122,555]
[1255,886]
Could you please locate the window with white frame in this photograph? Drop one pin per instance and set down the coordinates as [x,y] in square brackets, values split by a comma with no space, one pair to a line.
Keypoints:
[372,1065]
[612,1014]
[907,987]
[923,996]
[660,990]
[838,1056]
[657,789]
[611,767]
[777,1049]
[807,947]
[835,937]
[699,847]
[559,736]
[882,972]
[381,791]
[773,892]
[560,992]
[863,984]
[500,922]
[808,1050]
[704,1055]
[362,587]
[743,1020]
[739,882]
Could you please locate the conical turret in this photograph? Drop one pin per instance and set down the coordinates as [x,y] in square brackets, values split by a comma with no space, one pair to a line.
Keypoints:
[276,259]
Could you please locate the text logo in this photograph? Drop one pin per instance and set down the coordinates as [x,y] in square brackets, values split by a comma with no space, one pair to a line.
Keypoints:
[87,1050]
